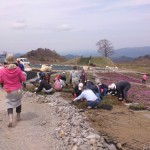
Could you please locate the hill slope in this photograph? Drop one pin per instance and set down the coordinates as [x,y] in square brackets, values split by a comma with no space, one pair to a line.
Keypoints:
[91,61]
[43,56]
[142,61]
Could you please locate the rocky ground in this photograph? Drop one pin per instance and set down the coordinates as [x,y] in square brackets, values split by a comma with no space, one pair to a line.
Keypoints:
[48,123]
[52,123]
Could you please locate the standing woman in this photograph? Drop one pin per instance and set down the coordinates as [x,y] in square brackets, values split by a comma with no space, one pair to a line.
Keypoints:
[83,77]
[12,77]
[74,76]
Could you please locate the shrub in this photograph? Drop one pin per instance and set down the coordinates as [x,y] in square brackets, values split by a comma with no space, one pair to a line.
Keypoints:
[137,107]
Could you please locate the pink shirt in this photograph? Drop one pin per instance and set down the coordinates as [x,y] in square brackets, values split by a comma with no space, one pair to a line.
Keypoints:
[145,77]
[57,85]
[11,78]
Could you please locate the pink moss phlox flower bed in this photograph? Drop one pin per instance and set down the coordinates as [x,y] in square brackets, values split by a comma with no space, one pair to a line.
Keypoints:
[138,93]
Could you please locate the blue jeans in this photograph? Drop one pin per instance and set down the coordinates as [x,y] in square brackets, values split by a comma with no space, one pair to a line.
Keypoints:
[93,103]
[104,92]
[98,96]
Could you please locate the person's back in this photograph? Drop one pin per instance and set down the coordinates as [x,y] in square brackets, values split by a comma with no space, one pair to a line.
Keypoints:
[43,84]
[91,99]
[12,77]
[74,76]
[63,77]
[89,95]
[57,85]
[144,78]
[89,84]
[83,76]
[121,88]
[122,84]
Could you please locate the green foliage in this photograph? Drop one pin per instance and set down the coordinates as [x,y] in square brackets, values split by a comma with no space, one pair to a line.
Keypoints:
[80,104]
[101,61]
[97,61]
[108,101]
[84,61]
[137,107]
[67,90]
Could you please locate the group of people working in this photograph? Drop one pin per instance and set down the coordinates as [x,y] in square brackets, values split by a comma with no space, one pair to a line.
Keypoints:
[12,78]
[93,93]
[44,82]
[83,88]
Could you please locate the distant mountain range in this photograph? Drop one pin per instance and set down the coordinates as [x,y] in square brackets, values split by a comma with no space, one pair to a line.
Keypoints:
[121,59]
[132,52]
[120,55]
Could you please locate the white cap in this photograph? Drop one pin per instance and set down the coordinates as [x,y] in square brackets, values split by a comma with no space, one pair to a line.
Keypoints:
[97,80]
[80,86]
[112,86]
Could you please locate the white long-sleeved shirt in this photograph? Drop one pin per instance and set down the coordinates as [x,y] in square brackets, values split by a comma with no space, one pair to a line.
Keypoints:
[88,95]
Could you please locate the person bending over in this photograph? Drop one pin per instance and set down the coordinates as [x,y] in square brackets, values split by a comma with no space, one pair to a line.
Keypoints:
[77,90]
[57,85]
[44,85]
[122,89]
[89,96]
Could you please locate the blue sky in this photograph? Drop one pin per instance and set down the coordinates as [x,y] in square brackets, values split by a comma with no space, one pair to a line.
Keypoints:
[72,26]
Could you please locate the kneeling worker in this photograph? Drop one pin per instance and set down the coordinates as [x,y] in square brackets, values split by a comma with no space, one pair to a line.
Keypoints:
[77,90]
[44,85]
[91,98]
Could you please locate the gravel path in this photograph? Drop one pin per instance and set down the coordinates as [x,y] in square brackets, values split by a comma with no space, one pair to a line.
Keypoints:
[48,123]
[34,131]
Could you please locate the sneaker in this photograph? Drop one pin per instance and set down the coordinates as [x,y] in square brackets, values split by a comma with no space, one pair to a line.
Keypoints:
[89,107]
[10,124]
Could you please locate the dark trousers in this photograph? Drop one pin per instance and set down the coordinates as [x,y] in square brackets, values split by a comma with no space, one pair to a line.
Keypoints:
[10,110]
[125,90]
[93,103]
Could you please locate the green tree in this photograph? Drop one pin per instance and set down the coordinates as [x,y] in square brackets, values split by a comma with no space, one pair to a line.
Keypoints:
[105,47]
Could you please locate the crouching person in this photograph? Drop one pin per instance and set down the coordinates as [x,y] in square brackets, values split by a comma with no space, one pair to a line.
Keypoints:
[91,99]
[77,90]
[122,89]
[45,86]
[58,84]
